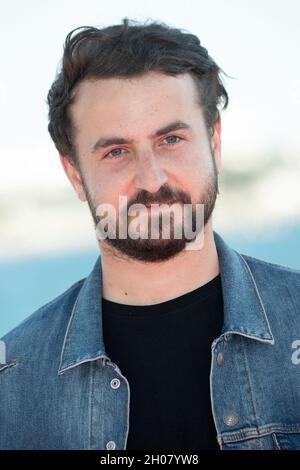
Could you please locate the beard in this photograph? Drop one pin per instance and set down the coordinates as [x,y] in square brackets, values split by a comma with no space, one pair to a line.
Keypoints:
[151,250]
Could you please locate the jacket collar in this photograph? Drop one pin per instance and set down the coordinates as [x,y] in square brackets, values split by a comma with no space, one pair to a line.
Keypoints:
[244,311]
[83,340]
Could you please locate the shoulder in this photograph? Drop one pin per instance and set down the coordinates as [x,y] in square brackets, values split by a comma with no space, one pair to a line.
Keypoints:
[277,285]
[273,271]
[46,321]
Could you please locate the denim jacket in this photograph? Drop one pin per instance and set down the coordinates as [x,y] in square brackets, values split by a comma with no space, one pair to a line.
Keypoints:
[60,390]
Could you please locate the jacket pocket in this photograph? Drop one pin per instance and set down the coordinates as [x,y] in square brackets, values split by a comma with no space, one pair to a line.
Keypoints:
[288,440]
[265,442]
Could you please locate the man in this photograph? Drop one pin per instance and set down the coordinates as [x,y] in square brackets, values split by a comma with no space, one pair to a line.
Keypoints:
[167,344]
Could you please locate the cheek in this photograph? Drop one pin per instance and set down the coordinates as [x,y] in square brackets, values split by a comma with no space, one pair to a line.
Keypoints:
[196,174]
[202,163]
[194,166]
[108,191]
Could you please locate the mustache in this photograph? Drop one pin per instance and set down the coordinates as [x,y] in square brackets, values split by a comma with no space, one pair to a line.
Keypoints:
[165,195]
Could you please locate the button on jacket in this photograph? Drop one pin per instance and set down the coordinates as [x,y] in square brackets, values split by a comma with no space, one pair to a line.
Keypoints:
[60,390]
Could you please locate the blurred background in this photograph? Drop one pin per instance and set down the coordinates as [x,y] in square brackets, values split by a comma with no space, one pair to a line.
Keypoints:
[47,239]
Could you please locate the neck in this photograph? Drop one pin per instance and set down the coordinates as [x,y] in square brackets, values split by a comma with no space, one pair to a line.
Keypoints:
[137,283]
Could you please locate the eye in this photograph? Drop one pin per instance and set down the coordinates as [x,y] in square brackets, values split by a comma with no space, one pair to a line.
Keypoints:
[112,155]
[173,137]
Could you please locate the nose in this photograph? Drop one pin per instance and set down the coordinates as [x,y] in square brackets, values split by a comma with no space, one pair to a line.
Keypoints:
[149,175]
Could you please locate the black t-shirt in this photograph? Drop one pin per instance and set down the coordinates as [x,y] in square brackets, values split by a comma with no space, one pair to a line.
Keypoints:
[164,351]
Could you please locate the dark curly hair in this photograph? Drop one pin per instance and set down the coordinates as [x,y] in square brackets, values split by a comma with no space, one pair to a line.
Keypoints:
[128,50]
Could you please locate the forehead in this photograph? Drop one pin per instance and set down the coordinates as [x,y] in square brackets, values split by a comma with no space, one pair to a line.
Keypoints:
[117,101]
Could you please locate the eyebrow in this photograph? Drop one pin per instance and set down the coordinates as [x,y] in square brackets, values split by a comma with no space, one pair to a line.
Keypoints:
[106,142]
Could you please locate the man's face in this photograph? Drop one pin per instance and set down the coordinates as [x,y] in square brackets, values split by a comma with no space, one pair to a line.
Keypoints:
[121,153]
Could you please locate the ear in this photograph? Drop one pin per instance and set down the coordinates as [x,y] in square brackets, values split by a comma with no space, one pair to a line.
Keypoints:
[216,143]
[74,177]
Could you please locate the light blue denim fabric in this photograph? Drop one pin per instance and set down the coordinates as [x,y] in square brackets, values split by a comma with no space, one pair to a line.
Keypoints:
[60,390]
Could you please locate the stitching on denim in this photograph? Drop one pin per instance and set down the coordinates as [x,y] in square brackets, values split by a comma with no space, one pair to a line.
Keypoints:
[276,441]
[84,361]
[91,401]
[240,333]
[258,296]
[213,407]
[249,380]
[253,433]
[67,332]
[13,363]
[128,407]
